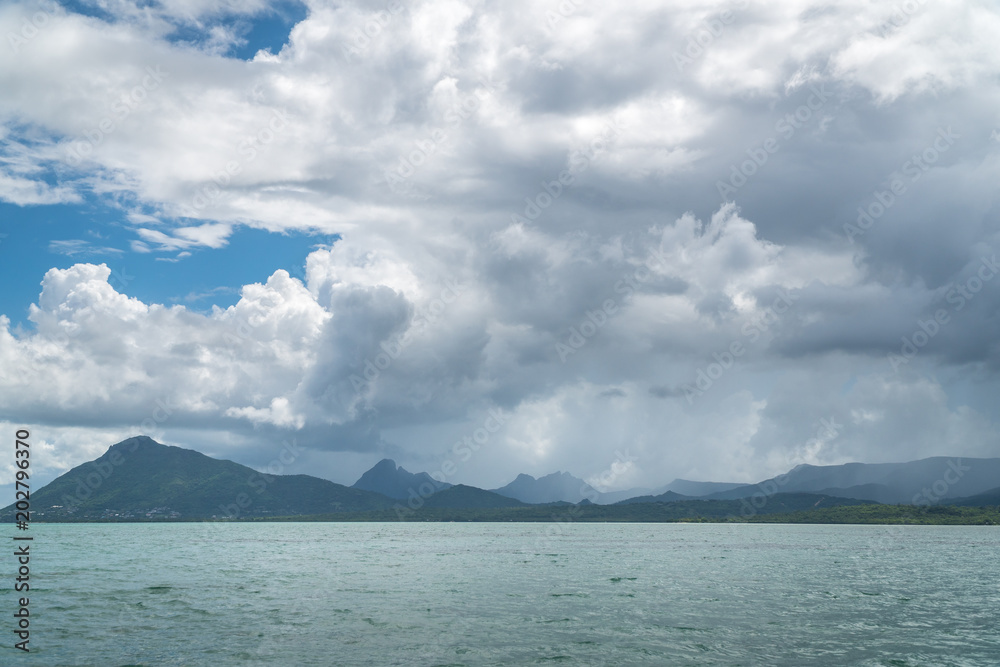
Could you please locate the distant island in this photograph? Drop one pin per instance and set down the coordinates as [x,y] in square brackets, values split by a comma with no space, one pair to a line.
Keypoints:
[140,480]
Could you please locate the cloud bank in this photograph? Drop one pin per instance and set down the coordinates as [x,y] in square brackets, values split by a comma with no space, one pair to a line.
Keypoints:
[689,231]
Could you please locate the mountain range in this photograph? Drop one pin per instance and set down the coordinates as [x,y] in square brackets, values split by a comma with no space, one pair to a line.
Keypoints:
[139,479]
[564,487]
[394,481]
[927,481]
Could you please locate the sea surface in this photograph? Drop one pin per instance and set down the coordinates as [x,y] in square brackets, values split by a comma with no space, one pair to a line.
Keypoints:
[298,594]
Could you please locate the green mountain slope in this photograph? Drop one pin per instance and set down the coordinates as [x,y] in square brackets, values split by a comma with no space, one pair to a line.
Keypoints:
[139,477]
[683,510]
[989,498]
[469,497]
[666,497]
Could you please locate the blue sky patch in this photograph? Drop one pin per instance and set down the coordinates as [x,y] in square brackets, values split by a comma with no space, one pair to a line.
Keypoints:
[38,238]
[270,30]
[266,30]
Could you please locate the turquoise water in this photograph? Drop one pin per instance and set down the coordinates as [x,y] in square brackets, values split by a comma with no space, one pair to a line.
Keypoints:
[507,594]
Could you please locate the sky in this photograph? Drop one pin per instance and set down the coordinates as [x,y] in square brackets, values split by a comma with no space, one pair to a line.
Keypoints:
[632,241]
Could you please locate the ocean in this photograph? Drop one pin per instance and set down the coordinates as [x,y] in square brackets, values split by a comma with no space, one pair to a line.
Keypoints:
[297,594]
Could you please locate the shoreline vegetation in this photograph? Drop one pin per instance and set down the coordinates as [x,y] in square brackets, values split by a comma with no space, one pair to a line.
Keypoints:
[141,481]
[861,514]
